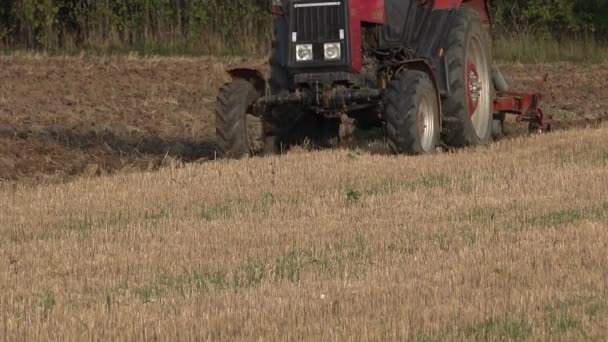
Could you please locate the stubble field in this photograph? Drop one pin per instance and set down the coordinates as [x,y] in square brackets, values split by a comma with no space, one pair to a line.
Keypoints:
[106,235]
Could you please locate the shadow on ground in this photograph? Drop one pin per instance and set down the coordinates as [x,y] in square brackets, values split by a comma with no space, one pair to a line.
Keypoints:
[59,153]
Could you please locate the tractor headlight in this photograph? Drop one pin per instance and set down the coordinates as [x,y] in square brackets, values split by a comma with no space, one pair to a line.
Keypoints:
[332,51]
[303,52]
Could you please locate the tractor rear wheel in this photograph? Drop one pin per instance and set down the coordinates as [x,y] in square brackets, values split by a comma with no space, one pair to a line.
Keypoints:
[412,113]
[239,132]
[468,110]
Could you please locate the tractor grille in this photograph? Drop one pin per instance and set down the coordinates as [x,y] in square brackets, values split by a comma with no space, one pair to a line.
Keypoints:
[317,21]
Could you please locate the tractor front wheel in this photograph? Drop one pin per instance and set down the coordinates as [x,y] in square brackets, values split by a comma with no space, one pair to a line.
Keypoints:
[239,132]
[412,113]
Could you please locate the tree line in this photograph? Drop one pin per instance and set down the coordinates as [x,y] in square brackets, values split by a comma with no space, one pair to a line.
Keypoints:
[209,26]
[552,18]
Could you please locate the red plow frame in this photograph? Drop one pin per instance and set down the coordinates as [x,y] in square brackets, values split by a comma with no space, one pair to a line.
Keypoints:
[526,107]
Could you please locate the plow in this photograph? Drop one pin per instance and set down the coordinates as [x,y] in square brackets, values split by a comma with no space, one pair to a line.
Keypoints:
[422,70]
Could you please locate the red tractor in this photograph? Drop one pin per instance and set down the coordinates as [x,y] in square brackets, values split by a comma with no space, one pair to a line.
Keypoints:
[421,69]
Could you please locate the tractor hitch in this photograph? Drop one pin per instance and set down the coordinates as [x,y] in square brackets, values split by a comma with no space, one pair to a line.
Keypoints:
[526,107]
[330,99]
[283,99]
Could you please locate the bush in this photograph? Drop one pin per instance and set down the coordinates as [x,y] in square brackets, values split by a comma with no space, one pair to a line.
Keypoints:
[237,26]
[189,25]
[555,19]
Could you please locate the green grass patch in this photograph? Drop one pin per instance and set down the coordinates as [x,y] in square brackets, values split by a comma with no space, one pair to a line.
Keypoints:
[493,329]
[155,216]
[226,210]
[603,158]
[432,181]
[251,274]
[531,49]
[568,216]
[219,280]
[48,301]
[20,235]
[353,155]
[566,323]
[353,195]
[186,283]
[264,203]
[291,265]
[217,212]
[482,215]
[359,251]
[115,219]
[558,218]
[84,226]
[465,184]
[425,338]
[148,294]
[563,316]
[594,309]
[561,321]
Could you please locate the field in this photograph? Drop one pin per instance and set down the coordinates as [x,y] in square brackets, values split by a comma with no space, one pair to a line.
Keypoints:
[116,222]
[64,117]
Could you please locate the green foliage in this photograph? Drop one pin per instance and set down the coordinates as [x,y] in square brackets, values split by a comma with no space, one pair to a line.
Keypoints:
[498,329]
[353,195]
[148,294]
[147,25]
[237,26]
[531,49]
[48,302]
[552,18]
[217,212]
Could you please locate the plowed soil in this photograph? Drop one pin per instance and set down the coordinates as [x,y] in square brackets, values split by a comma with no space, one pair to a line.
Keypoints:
[61,117]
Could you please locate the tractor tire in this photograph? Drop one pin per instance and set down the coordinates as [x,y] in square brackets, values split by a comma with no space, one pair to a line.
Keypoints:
[412,114]
[239,133]
[468,112]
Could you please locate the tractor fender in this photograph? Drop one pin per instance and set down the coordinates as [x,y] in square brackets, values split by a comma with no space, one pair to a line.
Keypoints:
[424,66]
[251,75]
